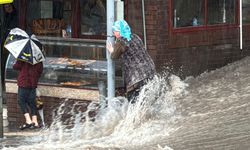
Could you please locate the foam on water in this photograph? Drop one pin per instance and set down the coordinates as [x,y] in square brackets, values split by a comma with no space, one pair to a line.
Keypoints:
[120,124]
[169,113]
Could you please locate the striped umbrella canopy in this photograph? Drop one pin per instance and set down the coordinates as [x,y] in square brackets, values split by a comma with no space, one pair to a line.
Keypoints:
[24,47]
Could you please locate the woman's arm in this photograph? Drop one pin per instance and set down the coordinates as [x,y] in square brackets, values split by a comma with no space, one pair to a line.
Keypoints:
[117,50]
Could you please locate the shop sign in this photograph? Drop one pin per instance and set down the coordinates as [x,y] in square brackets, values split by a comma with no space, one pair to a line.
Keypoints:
[5,1]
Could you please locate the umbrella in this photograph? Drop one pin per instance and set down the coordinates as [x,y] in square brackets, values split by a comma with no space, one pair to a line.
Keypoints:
[24,47]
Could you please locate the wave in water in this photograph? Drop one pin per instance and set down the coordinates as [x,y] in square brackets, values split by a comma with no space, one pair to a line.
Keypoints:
[211,111]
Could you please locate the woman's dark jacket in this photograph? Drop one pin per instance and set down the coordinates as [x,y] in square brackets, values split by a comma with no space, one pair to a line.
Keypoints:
[138,64]
[28,74]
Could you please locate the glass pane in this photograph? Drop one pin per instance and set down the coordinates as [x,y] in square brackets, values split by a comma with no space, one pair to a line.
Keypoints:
[221,11]
[49,18]
[93,17]
[69,50]
[73,62]
[188,13]
[245,11]
[77,63]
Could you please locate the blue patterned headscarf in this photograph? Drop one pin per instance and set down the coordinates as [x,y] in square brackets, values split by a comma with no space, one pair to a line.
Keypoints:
[124,29]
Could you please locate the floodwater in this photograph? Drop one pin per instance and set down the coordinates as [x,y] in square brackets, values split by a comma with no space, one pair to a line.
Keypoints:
[209,112]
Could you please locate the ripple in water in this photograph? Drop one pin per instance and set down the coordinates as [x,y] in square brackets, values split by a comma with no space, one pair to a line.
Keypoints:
[119,125]
[211,111]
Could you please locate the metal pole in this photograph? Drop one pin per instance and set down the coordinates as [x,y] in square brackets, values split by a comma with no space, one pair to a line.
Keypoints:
[144,24]
[241,38]
[110,63]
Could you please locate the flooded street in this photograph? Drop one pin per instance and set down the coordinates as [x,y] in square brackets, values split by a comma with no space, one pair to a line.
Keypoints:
[209,112]
[216,112]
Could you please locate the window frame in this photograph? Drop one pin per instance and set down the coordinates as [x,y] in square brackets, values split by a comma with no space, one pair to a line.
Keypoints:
[206,26]
[75,20]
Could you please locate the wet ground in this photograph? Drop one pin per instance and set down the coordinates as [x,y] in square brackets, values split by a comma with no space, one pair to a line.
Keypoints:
[15,138]
[216,112]
[213,114]
[225,129]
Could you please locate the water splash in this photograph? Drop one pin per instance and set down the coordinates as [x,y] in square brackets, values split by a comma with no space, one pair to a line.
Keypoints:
[211,111]
[120,124]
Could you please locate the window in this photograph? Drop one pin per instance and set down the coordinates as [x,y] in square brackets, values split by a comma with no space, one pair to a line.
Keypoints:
[71,60]
[93,17]
[49,17]
[67,18]
[188,13]
[245,11]
[193,13]
[221,11]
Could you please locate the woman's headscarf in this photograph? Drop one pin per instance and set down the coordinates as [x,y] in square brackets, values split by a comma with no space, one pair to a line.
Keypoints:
[124,29]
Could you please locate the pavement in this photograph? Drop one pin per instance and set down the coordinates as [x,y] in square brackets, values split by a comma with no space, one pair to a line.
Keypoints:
[14,137]
[17,138]
[14,132]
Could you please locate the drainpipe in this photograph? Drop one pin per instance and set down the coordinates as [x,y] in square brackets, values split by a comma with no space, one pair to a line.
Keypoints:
[110,63]
[224,12]
[144,24]
[241,37]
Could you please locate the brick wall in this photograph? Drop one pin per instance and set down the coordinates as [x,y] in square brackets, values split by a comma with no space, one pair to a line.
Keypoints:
[156,25]
[187,53]
[134,16]
[51,105]
[156,29]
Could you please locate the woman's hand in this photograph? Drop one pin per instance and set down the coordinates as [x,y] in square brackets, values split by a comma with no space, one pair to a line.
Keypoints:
[110,47]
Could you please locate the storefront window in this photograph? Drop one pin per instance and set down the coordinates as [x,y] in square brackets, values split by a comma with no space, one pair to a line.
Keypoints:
[190,13]
[76,62]
[49,18]
[245,11]
[93,17]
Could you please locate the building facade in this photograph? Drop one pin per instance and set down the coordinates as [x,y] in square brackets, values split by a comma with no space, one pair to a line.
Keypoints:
[184,37]
[189,38]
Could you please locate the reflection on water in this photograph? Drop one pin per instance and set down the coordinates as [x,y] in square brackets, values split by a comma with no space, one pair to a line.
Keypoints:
[211,111]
